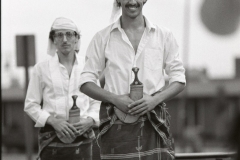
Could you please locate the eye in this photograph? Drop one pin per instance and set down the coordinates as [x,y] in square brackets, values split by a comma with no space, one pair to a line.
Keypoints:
[60,35]
[69,34]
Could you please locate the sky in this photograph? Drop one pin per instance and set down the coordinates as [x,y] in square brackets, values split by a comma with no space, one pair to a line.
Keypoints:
[206,50]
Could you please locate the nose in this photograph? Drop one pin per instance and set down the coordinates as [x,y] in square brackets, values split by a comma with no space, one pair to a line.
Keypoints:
[64,38]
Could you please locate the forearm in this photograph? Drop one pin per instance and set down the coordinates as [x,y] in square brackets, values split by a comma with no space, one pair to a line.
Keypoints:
[171,91]
[97,93]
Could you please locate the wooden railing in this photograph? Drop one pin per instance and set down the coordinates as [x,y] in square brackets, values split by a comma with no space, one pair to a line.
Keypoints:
[205,155]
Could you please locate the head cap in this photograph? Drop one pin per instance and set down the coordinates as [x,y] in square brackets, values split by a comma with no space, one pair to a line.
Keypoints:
[116,12]
[63,23]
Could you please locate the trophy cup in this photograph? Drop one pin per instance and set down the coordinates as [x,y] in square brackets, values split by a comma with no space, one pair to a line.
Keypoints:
[136,93]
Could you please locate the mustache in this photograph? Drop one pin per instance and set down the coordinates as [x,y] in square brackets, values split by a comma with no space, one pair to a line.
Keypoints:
[64,43]
[132,5]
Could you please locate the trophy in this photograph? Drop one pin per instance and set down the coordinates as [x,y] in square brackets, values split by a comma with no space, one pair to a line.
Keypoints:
[136,93]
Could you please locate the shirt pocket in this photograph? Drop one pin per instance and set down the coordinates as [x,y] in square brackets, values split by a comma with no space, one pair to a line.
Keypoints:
[153,59]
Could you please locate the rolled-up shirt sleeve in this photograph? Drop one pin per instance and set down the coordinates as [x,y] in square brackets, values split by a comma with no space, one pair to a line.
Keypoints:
[93,110]
[33,100]
[173,64]
[95,61]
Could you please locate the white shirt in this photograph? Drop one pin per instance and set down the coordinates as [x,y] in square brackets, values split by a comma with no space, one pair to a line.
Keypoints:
[51,84]
[111,50]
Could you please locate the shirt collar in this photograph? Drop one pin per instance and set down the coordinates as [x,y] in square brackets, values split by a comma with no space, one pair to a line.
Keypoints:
[149,24]
[116,25]
[77,58]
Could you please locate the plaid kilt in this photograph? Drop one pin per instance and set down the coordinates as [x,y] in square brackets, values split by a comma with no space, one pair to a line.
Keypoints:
[147,139]
[51,147]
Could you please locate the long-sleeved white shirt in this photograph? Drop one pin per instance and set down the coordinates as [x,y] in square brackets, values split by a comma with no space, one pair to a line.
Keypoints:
[50,84]
[111,51]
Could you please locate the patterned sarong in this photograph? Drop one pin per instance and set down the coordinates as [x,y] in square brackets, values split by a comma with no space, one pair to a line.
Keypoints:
[50,144]
[147,139]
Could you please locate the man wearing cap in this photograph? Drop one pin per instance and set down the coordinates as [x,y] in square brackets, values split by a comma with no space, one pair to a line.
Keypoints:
[49,98]
[133,41]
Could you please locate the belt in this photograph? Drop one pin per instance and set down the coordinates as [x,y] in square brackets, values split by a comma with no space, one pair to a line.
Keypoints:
[56,140]
[141,119]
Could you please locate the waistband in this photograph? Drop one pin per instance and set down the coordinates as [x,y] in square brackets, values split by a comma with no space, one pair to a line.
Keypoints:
[141,119]
[79,140]
[57,144]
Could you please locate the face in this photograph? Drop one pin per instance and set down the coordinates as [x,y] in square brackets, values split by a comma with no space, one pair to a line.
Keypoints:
[65,41]
[132,8]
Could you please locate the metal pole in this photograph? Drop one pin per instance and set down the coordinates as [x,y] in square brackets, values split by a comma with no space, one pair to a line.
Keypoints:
[28,125]
[186,35]
[186,32]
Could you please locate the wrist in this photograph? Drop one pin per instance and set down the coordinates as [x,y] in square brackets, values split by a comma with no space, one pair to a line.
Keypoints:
[157,99]
[92,121]
[112,98]
[50,120]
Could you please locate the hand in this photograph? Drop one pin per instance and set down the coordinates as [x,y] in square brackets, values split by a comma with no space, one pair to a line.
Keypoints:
[62,127]
[122,102]
[142,106]
[84,125]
